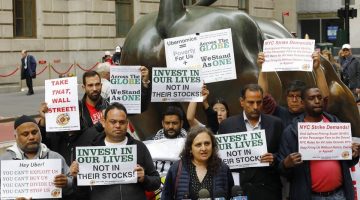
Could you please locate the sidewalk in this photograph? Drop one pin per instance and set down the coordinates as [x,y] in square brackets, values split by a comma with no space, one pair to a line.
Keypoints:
[13,105]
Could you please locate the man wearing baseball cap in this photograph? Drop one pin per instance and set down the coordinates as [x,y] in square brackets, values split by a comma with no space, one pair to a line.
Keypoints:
[350,66]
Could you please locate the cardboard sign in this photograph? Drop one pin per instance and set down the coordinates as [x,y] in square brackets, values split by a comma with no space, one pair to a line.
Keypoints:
[30,178]
[325,141]
[61,96]
[212,51]
[288,55]
[243,149]
[102,165]
[176,85]
[126,87]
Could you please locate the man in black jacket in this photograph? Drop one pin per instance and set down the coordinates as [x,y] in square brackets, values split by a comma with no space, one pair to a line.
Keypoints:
[258,183]
[28,70]
[333,179]
[350,66]
[115,133]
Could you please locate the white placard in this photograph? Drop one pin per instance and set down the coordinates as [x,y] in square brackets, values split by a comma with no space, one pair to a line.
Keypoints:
[61,96]
[162,155]
[125,87]
[101,165]
[30,178]
[325,141]
[176,85]
[212,51]
[288,55]
[355,174]
[243,149]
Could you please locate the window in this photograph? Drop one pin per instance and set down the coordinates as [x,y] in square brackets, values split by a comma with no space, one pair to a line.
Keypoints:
[24,18]
[124,17]
[243,5]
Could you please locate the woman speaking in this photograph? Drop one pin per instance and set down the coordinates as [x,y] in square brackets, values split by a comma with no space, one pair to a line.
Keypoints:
[199,170]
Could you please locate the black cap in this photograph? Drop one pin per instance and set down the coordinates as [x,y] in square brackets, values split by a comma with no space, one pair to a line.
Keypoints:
[23,119]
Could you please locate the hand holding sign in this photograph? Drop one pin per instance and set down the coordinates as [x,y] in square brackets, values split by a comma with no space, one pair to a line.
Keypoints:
[292,160]
[316,60]
[267,158]
[140,173]
[260,59]
[60,181]
[145,76]
[74,169]
[355,149]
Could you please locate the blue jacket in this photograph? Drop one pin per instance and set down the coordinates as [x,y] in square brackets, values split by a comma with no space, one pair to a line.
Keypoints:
[222,182]
[299,176]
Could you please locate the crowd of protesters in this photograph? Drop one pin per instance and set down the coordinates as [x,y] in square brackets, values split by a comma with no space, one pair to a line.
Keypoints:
[199,166]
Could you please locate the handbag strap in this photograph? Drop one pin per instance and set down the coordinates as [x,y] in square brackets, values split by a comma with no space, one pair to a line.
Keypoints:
[177,178]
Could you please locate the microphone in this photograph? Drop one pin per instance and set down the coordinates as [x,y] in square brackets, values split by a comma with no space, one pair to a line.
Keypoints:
[237,193]
[219,195]
[204,194]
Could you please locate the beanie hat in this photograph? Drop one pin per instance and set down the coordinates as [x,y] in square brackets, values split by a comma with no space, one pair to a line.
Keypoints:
[23,119]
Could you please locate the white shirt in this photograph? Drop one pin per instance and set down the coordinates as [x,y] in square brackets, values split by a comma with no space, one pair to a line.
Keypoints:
[110,144]
[249,126]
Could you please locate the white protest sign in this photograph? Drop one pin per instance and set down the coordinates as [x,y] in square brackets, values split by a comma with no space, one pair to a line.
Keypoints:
[125,87]
[288,55]
[30,178]
[325,141]
[101,165]
[355,174]
[61,96]
[213,51]
[243,149]
[176,85]
[183,51]
[162,155]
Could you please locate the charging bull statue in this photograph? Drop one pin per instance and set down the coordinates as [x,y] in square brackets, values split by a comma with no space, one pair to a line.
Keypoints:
[144,45]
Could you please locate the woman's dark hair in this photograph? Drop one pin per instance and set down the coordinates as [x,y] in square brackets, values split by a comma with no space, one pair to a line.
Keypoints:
[223,102]
[214,160]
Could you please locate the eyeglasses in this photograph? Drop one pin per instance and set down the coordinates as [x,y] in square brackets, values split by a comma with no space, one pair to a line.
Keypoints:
[292,97]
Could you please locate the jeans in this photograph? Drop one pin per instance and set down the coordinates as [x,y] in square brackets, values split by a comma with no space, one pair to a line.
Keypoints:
[339,195]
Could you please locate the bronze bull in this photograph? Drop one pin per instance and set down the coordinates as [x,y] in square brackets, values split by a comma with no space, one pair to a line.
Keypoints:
[144,45]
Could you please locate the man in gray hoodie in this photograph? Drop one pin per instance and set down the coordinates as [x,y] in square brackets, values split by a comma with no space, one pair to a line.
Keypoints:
[28,146]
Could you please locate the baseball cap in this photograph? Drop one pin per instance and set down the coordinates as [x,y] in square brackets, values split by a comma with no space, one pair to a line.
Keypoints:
[346,46]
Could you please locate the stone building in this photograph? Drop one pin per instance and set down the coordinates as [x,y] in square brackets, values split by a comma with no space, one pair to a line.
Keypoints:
[78,32]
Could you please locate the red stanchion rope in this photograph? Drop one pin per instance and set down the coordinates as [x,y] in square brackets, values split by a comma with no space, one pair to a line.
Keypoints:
[3,76]
[42,70]
[91,68]
[60,73]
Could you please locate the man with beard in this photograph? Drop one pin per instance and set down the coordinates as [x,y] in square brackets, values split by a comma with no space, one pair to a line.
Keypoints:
[315,179]
[258,183]
[28,146]
[172,124]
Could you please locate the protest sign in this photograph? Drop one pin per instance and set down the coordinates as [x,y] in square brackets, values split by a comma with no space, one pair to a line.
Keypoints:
[212,51]
[101,165]
[61,96]
[162,155]
[125,87]
[30,178]
[288,55]
[355,174]
[242,149]
[325,141]
[176,85]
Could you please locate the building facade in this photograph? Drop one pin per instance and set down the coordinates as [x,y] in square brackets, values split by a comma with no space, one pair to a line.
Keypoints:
[75,33]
